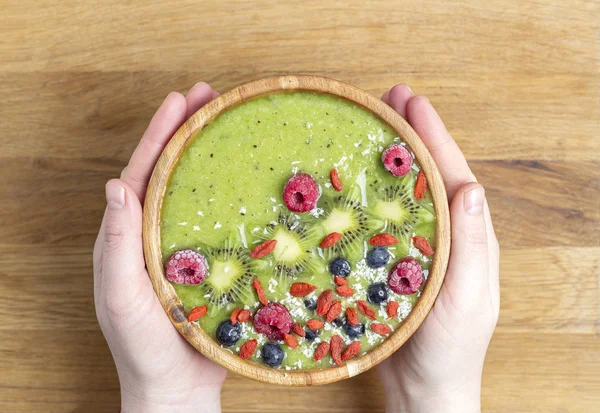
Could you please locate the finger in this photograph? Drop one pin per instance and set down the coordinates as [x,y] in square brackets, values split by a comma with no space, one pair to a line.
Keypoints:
[468,268]
[447,155]
[199,95]
[118,252]
[397,98]
[165,122]
[494,259]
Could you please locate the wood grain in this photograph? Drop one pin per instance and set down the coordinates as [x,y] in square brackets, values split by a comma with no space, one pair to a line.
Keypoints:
[517,84]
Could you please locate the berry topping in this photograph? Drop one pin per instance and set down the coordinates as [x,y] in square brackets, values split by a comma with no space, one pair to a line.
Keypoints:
[301,289]
[383,240]
[354,331]
[260,292]
[321,351]
[397,160]
[197,313]
[406,276]
[392,309]
[228,334]
[324,302]
[272,354]
[330,240]
[336,182]
[377,293]
[310,335]
[420,185]
[352,317]
[340,267]
[186,267]
[423,246]
[273,320]
[310,304]
[301,193]
[344,291]
[248,348]
[338,322]
[378,257]
[263,249]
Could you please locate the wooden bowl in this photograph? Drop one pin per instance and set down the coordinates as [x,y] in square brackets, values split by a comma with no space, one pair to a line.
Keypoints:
[166,293]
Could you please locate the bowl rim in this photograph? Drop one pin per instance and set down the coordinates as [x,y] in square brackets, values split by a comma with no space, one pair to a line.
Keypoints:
[171,303]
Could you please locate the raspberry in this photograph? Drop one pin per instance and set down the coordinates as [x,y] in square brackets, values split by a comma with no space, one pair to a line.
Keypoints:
[397,160]
[406,276]
[273,320]
[301,193]
[186,267]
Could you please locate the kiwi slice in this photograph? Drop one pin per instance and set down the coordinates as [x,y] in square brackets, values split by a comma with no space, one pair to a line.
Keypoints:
[400,210]
[294,250]
[229,275]
[347,217]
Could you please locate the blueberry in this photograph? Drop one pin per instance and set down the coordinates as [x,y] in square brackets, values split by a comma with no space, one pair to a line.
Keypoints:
[338,322]
[377,293]
[354,331]
[310,304]
[311,334]
[228,334]
[272,354]
[340,267]
[378,257]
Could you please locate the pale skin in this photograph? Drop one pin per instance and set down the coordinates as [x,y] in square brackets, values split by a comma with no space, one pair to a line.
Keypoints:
[438,369]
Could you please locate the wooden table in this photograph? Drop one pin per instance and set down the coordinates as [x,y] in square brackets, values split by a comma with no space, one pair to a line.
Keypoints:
[516,81]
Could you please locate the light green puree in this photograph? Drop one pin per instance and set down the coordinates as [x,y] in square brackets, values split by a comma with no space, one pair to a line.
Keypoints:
[227,188]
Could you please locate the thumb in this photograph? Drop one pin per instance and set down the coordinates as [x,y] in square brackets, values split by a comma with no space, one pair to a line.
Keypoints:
[468,269]
[118,255]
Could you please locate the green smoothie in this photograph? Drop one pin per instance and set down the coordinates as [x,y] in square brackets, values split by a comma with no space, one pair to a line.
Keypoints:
[225,197]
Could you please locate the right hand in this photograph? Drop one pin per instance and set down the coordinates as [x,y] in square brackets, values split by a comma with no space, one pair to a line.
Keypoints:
[439,369]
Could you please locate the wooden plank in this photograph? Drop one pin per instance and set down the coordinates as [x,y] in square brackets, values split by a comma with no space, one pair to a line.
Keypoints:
[551,290]
[524,373]
[101,115]
[462,36]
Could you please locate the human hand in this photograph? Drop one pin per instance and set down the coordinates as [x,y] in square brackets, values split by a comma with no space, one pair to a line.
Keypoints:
[158,370]
[439,369]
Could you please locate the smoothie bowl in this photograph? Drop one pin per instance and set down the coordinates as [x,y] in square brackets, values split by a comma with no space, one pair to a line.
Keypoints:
[296,230]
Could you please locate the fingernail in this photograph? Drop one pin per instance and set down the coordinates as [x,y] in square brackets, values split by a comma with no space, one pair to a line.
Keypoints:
[473,201]
[196,86]
[409,90]
[115,195]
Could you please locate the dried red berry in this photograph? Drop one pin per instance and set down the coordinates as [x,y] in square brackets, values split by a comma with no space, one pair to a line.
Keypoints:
[244,316]
[233,318]
[351,351]
[364,308]
[383,240]
[334,311]
[260,292]
[321,351]
[392,309]
[197,313]
[352,317]
[381,329]
[315,324]
[263,249]
[423,246]
[344,291]
[324,302]
[248,349]
[301,289]
[340,280]
[336,182]
[298,330]
[420,185]
[290,340]
[330,240]
[335,344]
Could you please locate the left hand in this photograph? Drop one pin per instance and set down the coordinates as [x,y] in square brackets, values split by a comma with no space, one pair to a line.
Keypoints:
[158,370]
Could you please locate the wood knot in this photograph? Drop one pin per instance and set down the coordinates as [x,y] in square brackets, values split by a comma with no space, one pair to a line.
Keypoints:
[177,313]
